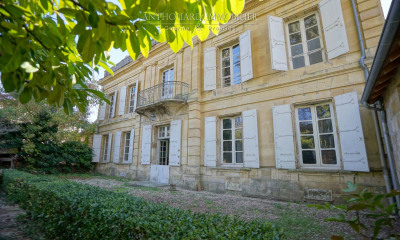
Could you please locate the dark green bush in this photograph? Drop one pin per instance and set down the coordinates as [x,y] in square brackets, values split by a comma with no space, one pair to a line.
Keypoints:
[68,210]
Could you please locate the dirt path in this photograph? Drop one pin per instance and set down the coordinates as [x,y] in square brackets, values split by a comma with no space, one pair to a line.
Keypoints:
[10,228]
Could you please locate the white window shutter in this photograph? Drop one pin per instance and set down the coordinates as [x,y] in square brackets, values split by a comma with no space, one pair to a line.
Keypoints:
[246,63]
[175,143]
[210,68]
[113,106]
[117,144]
[250,139]
[277,43]
[210,142]
[102,113]
[109,147]
[96,148]
[122,96]
[131,142]
[354,154]
[136,95]
[146,144]
[334,28]
[283,137]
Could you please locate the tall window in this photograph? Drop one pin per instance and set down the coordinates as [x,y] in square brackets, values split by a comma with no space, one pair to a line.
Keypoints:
[168,78]
[132,98]
[163,143]
[105,151]
[112,99]
[232,140]
[127,140]
[230,65]
[316,135]
[305,42]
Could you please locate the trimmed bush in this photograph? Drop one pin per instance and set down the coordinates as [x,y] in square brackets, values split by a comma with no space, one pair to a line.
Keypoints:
[68,210]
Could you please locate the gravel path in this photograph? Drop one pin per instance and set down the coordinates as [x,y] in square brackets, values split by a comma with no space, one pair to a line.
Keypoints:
[299,221]
[10,229]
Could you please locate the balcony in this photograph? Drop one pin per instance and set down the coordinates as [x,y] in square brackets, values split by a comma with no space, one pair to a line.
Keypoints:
[161,95]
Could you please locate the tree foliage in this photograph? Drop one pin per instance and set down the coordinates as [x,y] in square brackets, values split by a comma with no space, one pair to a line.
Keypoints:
[48,48]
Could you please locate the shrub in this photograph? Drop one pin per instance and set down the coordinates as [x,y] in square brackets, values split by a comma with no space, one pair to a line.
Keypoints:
[68,210]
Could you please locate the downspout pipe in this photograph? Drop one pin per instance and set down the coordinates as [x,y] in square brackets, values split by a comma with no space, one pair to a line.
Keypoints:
[386,177]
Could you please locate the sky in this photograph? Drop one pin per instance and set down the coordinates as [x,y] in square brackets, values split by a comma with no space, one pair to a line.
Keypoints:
[117,55]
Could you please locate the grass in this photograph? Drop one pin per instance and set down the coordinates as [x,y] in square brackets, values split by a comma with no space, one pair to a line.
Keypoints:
[90,176]
[296,223]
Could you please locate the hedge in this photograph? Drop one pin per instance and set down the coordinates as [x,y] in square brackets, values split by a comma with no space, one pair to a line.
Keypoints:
[68,210]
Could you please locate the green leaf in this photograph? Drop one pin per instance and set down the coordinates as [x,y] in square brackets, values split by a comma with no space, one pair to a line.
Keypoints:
[132,45]
[25,95]
[236,6]
[145,42]
[178,5]
[27,66]
[93,17]
[104,65]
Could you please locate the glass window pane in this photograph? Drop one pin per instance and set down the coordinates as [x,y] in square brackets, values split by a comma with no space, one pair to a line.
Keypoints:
[236,68]
[295,38]
[323,111]
[238,134]
[239,157]
[297,49]
[238,122]
[235,49]
[227,157]
[309,157]
[236,80]
[227,81]
[227,146]
[239,145]
[310,21]
[306,127]
[226,71]
[227,135]
[225,53]
[325,126]
[314,44]
[327,141]
[315,57]
[226,62]
[294,27]
[298,62]
[307,142]
[227,123]
[328,157]
[312,33]
[304,113]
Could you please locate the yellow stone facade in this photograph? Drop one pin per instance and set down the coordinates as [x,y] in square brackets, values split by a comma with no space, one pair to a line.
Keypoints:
[267,88]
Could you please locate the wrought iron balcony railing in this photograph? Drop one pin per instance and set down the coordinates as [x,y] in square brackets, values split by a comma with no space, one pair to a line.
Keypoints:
[166,91]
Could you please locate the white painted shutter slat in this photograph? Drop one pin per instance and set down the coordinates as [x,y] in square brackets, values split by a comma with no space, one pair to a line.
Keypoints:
[175,143]
[131,142]
[250,139]
[210,68]
[210,142]
[334,28]
[122,97]
[277,43]
[136,95]
[154,173]
[113,106]
[102,113]
[283,137]
[146,144]
[163,174]
[96,148]
[117,145]
[354,154]
[246,62]
[109,147]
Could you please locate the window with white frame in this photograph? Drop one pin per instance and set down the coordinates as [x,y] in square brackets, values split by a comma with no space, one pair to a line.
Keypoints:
[105,148]
[168,75]
[168,78]
[232,140]
[230,66]
[127,137]
[316,136]
[132,98]
[112,105]
[163,145]
[305,42]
